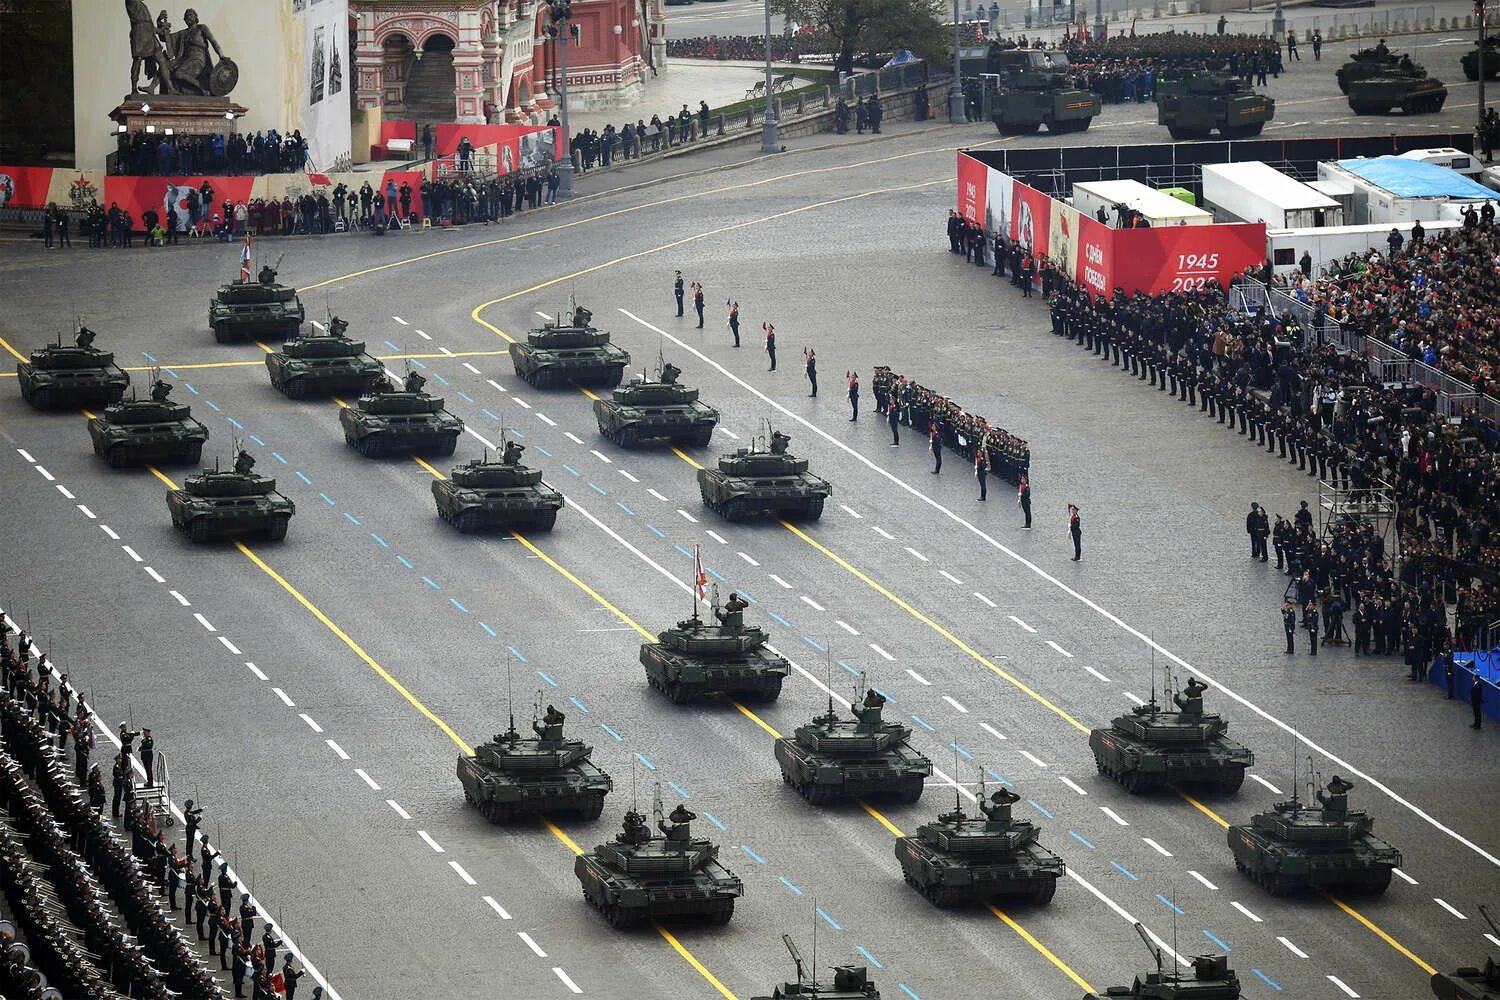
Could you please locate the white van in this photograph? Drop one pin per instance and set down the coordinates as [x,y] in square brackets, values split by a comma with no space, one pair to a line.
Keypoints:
[1446,156]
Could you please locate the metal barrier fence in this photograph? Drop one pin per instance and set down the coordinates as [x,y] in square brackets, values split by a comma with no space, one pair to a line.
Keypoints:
[902,77]
[1332,25]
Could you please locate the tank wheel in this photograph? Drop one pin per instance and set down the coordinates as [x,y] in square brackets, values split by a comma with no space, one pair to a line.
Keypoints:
[721,913]
[448,447]
[1376,884]
[1243,131]
[1130,781]
[813,510]
[277,529]
[466,522]
[198,531]
[704,437]
[593,807]
[1366,108]
[618,917]
[294,389]
[193,454]
[117,457]
[1100,765]
[541,378]
[1042,894]
[40,398]
[615,376]
[627,437]
[735,510]
[770,692]
[677,694]
[543,520]
[1277,885]
[911,790]
[1231,783]
[222,334]
[293,327]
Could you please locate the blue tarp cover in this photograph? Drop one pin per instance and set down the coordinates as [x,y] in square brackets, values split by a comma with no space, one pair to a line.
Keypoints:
[903,56]
[1415,178]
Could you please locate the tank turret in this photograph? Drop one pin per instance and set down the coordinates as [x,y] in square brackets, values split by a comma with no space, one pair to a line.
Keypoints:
[727,657]
[850,982]
[1196,106]
[1365,63]
[660,409]
[1152,747]
[1209,978]
[832,758]
[959,859]
[245,310]
[547,773]
[1400,84]
[1035,90]
[324,363]
[219,504]
[1471,983]
[1470,60]
[483,494]
[765,480]
[405,420]
[67,376]
[558,353]
[148,431]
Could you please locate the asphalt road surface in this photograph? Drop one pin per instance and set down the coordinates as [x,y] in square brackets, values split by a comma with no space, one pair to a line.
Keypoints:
[313,695]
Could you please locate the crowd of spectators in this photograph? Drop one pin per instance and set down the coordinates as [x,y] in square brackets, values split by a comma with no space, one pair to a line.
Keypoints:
[142,153]
[633,140]
[923,409]
[789,48]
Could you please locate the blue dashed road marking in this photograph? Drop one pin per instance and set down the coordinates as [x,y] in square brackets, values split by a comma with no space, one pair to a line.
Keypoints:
[645,760]
[714,820]
[1212,937]
[831,922]
[961,750]
[405,562]
[1175,908]
[923,723]
[625,508]
[1078,837]
[546,677]
[457,605]
[539,448]
[431,583]
[1124,871]
[303,476]
[617,736]
[516,653]
[491,631]
[747,850]
[659,533]
[235,423]
[1039,808]
[327,499]
[212,405]
[789,885]
[882,694]
[351,518]
[678,789]
[779,618]
[598,489]
[868,957]
[579,705]
[257,440]
[1267,980]
[383,543]
[277,455]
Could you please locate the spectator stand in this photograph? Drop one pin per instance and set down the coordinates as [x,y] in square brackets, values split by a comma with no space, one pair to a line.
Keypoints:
[1372,500]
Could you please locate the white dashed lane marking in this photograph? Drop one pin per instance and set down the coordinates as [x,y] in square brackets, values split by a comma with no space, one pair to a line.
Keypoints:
[1241,907]
[26,455]
[1335,980]
[1157,847]
[1072,784]
[204,621]
[601,456]
[46,475]
[110,532]
[950,577]
[1449,907]
[851,511]
[658,496]
[367,779]
[915,553]
[883,533]
[1138,701]
[1292,948]
[398,319]
[546,420]
[1207,884]
[876,647]
[430,842]
[627,475]
[65,492]
[1403,876]
[1113,815]
[1033,758]
[566,979]
[471,368]
[337,749]
[956,706]
[494,905]
[747,559]
[780,581]
[256,671]
[180,599]
[153,574]
[731,435]
[531,944]
[1059,649]
[685,514]
[87,513]
[458,870]
[846,626]
[1272,788]
[1021,623]
[1097,674]
[717,537]
[397,806]
[986,600]
[811,603]
[132,553]
[992,730]
[918,678]
[224,641]
[497,386]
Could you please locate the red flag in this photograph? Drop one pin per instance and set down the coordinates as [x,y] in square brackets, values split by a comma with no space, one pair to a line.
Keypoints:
[245,258]
[700,578]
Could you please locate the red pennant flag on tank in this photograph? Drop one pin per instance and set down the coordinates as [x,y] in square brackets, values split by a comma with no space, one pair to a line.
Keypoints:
[700,578]
[245,259]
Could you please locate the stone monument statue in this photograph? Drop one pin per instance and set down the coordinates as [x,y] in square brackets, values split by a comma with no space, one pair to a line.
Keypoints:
[177,62]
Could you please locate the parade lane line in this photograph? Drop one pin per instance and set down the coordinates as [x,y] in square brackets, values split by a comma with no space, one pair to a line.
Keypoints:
[257,363]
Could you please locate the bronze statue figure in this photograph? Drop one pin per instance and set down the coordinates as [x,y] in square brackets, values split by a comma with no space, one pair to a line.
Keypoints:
[177,61]
[146,48]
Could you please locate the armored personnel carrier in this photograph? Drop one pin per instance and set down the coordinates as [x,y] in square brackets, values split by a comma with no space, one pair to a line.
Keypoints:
[557,354]
[832,758]
[58,377]
[850,982]
[324,364]
[1405,85]
[512,775]
[963,860]
[638,877]
[643,410]
[215,505]
[405,419]
[1211,979]
[1295,846]
[774,482]
[1363,64]
[694,658]
[481,494]
[1470,60]
[1036,91]
[1196,106]
[244,310]
[141,431]
[1471,983]
[1151,748]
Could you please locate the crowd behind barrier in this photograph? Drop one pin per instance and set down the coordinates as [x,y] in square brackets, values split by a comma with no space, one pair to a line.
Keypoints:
[145,153]
[923,410]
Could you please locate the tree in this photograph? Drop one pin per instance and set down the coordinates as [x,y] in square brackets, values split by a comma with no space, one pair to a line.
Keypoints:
[862,27]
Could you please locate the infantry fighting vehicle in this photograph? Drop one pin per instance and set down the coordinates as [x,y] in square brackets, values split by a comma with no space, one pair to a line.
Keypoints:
[1150,747]
[963,860]
[1405,85]
[58,377]
[1211,979]
[1295,846]
[638,876]
[512,775]
[214,505]
[643,410]
[576,352]
[1365,63]
[763,481]
[1035,91]
[1471,983]
[850,982]
[406,419]
[481,494]
[141,431]
[1196,106]
[832,758]
[1470,60]
[324,364]
[244,310]
[694,658]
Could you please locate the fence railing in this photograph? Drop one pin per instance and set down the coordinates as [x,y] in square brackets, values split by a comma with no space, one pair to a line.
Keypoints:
[902,77]
[1334,26]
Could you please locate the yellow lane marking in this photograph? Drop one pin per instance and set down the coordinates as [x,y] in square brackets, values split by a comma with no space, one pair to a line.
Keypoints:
[13,352]
[342,405]
[557,832]
[263,347]
[687,956]
[1046,952]
[159,475]
[1205,810]
[544,557]
[258,363]
[880,818]
[1370,926]
[753,717]
[580,388]
[1016,682]
[429,468]
[686,458]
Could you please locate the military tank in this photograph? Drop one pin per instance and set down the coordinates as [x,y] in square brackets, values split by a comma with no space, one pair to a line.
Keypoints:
[643,410]
[1406,86]
[1364,64]
[832,758]
[405,419]
[1471,983]
[1196,106]
[58,377]
[142,431]
[244,310]
[1036,92]
[556,354]
[324,364]
[850,982]
[763,481]
[638,876]
[962,860]
[548,774]
[1470,60]
[1151,748]
[217,505]
[481,495]
[1211,978]
[694,658]
[1296,846]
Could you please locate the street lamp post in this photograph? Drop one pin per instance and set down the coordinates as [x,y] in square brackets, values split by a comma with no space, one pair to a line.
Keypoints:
[1099,20]
[1479,12]
[561,12]
[769,141]
[1278,24]
[956,94]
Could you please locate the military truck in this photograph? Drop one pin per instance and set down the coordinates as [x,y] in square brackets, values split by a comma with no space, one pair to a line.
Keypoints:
[145,431]
[832,758]
[1296,846]
[481,494]
[324,364]
[638,876]
[1363,64]
[763,481]
[245,310]
[693,658]
[1470,60]
[646,410]
[1198,105]
[1035,91]
[1211,979]
[1406,86]
[1470,983]
[850,982]
[406,419]
[238,503]
[547,774]
[59,377]
[1151,748]
[558,353]
[963,860]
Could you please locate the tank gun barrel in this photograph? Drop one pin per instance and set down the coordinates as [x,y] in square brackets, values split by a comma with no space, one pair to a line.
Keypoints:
[1146,940]
[791,947]
[1485,913]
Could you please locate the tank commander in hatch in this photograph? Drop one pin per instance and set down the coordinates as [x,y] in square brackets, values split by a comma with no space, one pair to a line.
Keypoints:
[732,616]
[676,826]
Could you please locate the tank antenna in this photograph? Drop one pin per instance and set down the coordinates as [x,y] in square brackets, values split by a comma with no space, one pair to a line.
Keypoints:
[1175,957]
[510,705]
[828,685]
[957,805]
[1152,643]
[815,940]
[634,802]
[1294,769]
